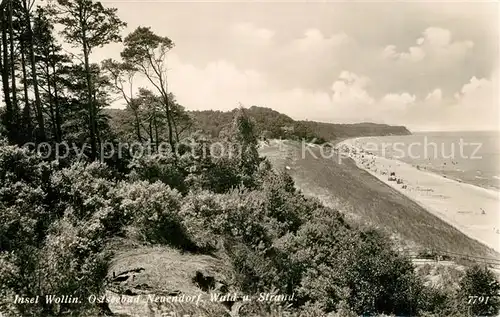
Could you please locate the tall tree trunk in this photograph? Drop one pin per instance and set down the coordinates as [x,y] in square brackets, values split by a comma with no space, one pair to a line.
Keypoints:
[176,131]
[51,103]
[90,100]
[15,106]
[5,74]
[137,125]
[151,141]
[90,94]
[56,102]
[157,139]
[27,124]
[38,103]
[169,122]
[164,92]
[96,117]
[25,74]
[26,115]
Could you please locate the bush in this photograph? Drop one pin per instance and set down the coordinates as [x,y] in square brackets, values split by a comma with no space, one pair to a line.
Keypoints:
[152,209]
[82,188]
[24,219]
[221,176]
[217,169]
[238,214]
[24,198]
[72,263]
[338,264]
[159,167]
[441,302]
[480,291]
[313,255]
[285,209]
[10,284]
[241,224]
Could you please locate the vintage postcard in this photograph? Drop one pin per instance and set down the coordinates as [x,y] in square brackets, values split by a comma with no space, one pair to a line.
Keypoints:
[249,158]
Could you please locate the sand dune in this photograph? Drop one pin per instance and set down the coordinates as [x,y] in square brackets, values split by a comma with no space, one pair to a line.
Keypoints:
[473,210]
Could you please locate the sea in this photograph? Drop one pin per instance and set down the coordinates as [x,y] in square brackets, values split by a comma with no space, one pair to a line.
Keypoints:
[469,157]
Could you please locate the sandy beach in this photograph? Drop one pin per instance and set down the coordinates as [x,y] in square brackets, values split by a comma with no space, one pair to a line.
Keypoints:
[473,210]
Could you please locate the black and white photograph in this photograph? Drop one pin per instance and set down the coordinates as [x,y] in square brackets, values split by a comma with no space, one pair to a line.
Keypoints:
[249,158]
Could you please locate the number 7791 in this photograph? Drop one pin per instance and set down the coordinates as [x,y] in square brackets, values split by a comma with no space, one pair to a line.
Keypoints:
[478,300]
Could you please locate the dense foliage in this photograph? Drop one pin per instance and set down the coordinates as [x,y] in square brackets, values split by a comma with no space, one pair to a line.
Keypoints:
[59,214]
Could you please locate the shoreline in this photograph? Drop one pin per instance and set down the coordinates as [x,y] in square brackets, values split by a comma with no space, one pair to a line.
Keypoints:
[471,209]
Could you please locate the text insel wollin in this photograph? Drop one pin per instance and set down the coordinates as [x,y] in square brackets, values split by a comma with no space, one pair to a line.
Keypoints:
[64,299]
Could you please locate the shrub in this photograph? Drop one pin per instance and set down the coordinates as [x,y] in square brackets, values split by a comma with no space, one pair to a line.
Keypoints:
[441,302]
[285,209]
[202,214]
[24,180]
[232,163]
[387,275]
[33,196]
[159,167]
[254,271]
[72,263]
[24,218]
[240,223]
[313,255]
[238,214]
[336,263]
[153,210]
[480,290]
[221,176]
[245,139]
[10,273]
[19,164]
[84,188]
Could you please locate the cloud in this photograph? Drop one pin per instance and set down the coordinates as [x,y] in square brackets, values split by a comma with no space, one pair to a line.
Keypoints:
[477,104]
[248,32]
[307,61]
[437,37]
[415,54]
[398,99]
[474,107]
[219,85]
[434,97]
[350,90]
[315,40]
[437,59]
[310,58]
[435,43]
[473,86]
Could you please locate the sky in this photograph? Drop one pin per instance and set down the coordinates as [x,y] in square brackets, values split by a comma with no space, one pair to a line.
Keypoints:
[428,66]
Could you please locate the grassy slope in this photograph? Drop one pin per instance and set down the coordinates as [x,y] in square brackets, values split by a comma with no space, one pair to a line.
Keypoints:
[367,201]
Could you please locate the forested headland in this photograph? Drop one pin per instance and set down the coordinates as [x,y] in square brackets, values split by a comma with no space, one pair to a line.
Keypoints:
[65,215]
